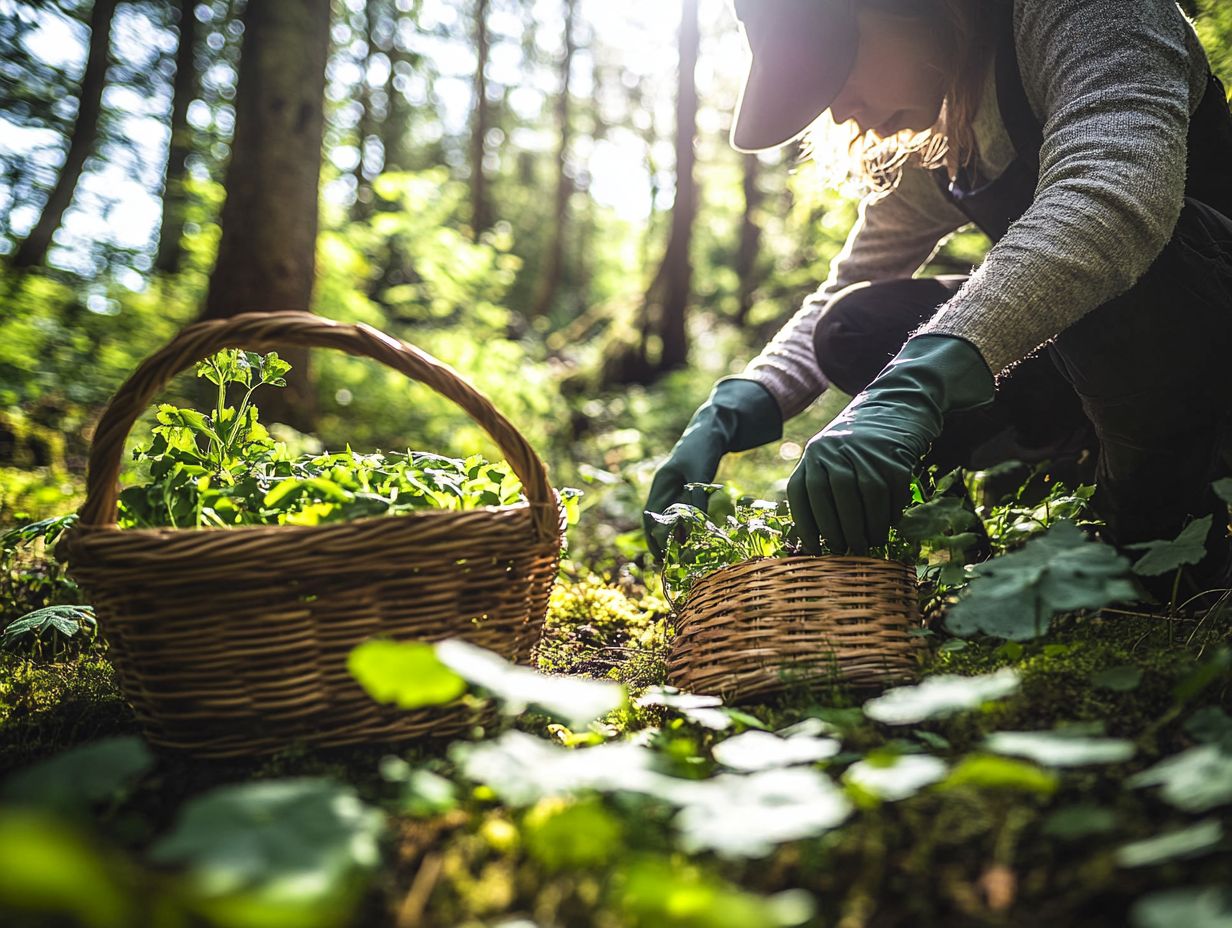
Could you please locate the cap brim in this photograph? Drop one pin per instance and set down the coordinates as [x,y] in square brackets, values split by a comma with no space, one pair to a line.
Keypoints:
[800,64]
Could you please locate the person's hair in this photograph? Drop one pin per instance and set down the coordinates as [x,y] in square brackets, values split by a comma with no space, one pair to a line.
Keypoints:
[967,32]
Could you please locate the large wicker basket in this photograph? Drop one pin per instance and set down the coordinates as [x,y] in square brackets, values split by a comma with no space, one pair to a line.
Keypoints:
[233,642]
[764,626]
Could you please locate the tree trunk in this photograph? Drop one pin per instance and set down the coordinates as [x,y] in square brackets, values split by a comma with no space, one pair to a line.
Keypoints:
[266,257]
[481,217]
[175,197]
[33,250]
[676,275]
[750,237]
[368,126]
[554,258]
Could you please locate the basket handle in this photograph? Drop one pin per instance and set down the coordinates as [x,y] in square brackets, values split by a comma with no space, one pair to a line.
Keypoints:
[269,330]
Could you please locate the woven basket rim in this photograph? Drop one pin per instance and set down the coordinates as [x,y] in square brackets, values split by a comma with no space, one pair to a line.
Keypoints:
[797,563]
[80,531]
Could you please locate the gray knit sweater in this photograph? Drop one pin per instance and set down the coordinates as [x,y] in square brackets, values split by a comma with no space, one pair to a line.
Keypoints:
[1113,83]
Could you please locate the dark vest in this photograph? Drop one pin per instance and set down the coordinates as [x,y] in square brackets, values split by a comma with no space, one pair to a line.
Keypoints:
[994,205]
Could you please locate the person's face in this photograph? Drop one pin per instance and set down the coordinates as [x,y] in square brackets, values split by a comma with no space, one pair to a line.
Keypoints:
[896,83]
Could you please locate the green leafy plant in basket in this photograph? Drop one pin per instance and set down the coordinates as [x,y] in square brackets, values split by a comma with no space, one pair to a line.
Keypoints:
[756,528]
[224,469]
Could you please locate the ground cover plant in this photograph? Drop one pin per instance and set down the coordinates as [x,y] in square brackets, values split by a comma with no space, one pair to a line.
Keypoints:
[1066,752]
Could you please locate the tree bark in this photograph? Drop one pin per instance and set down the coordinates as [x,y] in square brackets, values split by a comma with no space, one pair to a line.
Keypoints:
[676,275]
[266,257]
[33,250]
[750,237]
[175,197]
[554,258]
[368,126]
[481,217]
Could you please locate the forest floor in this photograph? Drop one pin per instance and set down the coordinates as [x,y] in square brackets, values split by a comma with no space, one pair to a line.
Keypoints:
[997,843]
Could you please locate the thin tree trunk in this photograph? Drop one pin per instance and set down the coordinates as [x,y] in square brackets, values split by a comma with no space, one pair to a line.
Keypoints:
[175,197]
[750,237]
[481,217]
[33,250]
[555,256]
[368,127]
[266,257]
[676,277]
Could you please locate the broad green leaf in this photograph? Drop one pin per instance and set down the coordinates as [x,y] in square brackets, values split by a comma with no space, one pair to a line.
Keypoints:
[574,700]
[1223,489]
[522,769]
[938,519]
[408,674]
[304,844]
[940,696]
[1163,557]
[1016,596]
[51,874]
[1195,780]
[903,778]
[1211,725]
[1173,845]
[562,834]
[661,893]
[1121,679]
[759,750]
[76,779]
[747,816]
[1057,749]
[1080,821]
[991,772]
[63,620]
[706,711]
[1195,907]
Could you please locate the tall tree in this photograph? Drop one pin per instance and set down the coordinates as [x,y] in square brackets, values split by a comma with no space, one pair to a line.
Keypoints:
[481,215]
[184,89]
[33,249]
[669,294]
[266,257]
[554,258]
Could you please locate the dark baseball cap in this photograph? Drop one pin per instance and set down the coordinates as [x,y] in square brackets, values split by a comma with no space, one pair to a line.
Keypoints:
[803,52]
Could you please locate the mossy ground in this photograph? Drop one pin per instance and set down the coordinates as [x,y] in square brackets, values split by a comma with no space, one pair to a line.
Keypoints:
[968,855]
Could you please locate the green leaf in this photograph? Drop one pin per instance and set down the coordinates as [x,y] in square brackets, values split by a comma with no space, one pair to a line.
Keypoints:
[1223,489]
[1163,557]
[80,777]
[1180,844]
[1211,725]
[991,772]
[562,834]
[576,701]
[903,778]
[1195,780]
[747,816]
[408,674]
[1015,596]
[50,869]
[940,696]
[759,750]
[940,518]
[1202,676]
[1121,679]
[63,620]
[424,793]
[1057,749]
[304,844]
[1080,821]
[1195,907]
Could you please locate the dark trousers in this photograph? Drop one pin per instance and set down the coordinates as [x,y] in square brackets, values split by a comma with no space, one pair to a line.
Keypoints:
[1147,378]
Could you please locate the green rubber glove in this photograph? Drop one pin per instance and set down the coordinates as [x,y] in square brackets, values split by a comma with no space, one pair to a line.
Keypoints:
[740,414]
[854,479]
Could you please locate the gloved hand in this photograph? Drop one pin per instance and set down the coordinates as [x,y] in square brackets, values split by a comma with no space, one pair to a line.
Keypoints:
[854,478]
[740,414]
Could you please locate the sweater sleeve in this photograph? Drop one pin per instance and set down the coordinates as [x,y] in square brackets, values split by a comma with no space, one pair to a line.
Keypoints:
[1114,82]
[895,234]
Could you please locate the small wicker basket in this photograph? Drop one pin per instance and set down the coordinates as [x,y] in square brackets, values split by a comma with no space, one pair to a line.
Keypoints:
[760,627]
[230,642]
